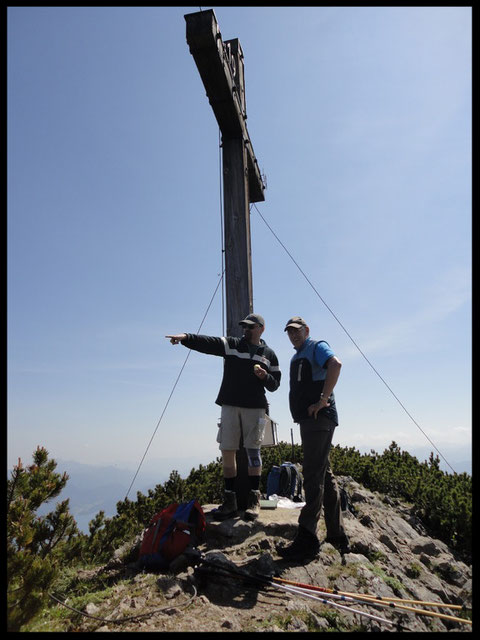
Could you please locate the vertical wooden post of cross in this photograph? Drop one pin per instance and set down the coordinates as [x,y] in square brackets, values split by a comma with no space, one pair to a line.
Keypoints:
[221,68]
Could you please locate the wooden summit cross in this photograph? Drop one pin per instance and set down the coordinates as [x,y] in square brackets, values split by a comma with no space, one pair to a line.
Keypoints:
[220,65]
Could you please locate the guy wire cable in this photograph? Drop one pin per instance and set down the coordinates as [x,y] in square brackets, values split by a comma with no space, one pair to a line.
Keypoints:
[209,305]
[128,618]
[173,389]
[355,344]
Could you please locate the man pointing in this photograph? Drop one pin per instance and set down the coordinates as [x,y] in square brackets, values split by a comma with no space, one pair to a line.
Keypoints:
[250,368]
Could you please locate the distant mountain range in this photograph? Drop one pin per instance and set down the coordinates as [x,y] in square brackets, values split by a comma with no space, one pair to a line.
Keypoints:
[460,458]
[92,489]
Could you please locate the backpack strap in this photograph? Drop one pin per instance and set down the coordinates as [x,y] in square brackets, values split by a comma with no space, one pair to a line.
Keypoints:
[285,481]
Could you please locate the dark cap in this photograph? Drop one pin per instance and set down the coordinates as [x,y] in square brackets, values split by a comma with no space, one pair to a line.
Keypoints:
[296,322]
[253,318]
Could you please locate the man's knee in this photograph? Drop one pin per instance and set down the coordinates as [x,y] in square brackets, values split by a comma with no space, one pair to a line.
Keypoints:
[254,458]
[229,464]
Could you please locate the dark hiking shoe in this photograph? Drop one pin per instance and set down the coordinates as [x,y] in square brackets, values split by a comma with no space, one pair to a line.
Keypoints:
[299,551]
[253,505]
[228,509]
[305,546]
[341,543]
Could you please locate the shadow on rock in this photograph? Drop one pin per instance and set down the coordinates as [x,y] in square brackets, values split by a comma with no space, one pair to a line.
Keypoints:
[225,583]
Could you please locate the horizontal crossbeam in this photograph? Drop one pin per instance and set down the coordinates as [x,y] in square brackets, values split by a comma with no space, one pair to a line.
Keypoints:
[217,65]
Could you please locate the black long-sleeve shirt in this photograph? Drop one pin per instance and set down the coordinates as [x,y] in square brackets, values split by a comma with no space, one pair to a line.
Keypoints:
[240,386]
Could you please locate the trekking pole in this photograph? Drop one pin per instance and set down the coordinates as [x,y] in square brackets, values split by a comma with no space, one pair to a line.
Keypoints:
[293,448]
[325,600]
[280,584]
[265,581]
[418,602]
[371,596]
[386,602]
[393,605]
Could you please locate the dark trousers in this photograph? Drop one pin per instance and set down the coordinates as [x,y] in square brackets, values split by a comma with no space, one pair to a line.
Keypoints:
[319,482]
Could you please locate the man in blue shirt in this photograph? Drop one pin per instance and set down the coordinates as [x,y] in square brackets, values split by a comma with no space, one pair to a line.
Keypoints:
[314,371]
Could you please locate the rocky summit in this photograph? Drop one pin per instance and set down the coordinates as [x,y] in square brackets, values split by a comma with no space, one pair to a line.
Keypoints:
[392,557]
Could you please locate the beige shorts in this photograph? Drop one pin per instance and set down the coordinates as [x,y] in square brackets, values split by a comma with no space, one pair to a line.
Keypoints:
[240,420]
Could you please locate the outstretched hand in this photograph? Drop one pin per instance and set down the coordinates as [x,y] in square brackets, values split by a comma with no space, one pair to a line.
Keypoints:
[176,339]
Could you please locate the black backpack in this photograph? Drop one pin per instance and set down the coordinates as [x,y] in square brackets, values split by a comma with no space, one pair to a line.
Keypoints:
[290,482]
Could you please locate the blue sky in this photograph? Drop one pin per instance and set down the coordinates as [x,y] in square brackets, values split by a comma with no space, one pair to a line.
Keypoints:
[360,118]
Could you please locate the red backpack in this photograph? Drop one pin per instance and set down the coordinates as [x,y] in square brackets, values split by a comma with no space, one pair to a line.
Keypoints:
[170,532]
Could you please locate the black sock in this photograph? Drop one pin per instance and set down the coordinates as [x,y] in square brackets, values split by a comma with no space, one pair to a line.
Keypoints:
[229,484]
[254,482]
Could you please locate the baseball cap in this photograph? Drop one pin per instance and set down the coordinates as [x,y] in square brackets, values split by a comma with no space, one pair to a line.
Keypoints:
[296,322]
[253,318]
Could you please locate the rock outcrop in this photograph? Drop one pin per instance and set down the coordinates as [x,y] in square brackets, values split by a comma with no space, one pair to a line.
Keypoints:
[392,556]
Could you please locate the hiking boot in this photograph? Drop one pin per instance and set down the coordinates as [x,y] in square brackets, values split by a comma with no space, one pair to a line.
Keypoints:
[305,546]
[253,505]
[228,509]
[341,543]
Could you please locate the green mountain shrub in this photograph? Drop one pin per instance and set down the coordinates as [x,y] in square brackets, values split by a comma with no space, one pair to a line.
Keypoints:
[36,546]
